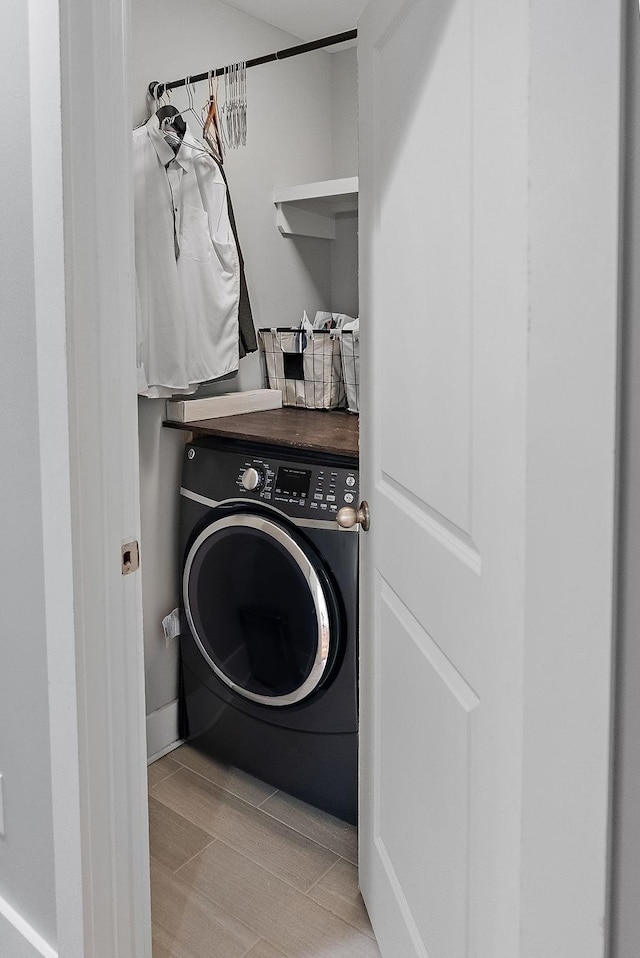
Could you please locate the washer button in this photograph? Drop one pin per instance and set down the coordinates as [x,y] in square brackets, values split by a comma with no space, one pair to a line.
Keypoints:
[348,497]
[351,482]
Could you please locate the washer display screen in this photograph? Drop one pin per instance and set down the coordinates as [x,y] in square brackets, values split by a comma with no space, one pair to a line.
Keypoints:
[293,482]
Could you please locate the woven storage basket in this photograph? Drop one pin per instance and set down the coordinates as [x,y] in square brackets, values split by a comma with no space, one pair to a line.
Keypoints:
[305,366]
[350,358]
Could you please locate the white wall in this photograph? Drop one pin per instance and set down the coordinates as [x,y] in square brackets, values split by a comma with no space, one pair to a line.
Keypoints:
[291,108]
[625,915]
[344,112]
[27,849]
[344,162]
[344,265]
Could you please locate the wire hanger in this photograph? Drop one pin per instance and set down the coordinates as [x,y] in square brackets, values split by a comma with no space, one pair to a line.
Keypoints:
[171,117]
[211,129]
[178,143]
[173,125]
[234,111]
[229,122]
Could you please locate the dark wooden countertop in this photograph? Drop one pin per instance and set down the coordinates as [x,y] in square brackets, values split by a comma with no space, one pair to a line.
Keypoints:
[318,430]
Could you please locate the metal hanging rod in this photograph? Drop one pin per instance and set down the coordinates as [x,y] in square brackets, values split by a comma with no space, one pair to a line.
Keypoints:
[157,89]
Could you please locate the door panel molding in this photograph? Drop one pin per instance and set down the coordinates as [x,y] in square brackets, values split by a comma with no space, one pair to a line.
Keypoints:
[466,697]
[456,540]
[18,938]
[432,385]
[404,908]
[435,704]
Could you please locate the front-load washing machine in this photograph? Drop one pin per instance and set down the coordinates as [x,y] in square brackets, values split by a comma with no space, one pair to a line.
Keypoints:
[268,673]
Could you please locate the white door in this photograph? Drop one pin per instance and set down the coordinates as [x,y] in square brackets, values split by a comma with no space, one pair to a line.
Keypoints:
[489,164]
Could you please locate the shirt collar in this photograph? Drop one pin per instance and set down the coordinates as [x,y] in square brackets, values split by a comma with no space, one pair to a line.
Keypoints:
[184,156]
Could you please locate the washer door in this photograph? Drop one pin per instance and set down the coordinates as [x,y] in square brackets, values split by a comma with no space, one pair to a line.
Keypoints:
[258,609]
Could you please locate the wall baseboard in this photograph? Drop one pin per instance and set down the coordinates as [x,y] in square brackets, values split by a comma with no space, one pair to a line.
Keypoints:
[162,731]
[18,938]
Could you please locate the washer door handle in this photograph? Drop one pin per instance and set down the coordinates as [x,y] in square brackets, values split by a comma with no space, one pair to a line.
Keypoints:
[348,517]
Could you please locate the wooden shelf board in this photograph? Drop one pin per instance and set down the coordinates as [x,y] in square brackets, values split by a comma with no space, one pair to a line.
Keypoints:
[335,431]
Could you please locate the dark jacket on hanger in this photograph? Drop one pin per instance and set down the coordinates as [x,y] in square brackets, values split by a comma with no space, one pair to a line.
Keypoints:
[248,342]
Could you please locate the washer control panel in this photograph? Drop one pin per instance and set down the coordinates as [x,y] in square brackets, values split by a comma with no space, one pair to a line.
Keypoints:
[296,488]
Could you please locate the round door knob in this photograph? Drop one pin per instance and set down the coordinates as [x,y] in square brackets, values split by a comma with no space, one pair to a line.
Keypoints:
[348,517]
[251,479]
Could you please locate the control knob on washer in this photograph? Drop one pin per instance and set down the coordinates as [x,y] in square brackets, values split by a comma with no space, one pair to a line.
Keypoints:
[252,479]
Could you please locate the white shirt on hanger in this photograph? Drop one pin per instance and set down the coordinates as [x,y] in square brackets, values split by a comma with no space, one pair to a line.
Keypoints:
[187,267]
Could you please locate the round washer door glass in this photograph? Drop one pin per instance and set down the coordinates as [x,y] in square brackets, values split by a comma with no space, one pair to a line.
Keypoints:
[257,609]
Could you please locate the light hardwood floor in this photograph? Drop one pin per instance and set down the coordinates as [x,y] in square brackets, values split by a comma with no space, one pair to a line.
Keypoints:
[241,870]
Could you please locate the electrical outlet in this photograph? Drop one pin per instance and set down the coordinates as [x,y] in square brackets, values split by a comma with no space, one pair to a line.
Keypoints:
[1,809]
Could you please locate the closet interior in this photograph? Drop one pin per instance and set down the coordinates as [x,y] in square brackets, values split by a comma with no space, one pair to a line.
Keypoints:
[302,129]
[294,189]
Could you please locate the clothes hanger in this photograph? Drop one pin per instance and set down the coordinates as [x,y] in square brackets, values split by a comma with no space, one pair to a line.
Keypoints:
[243,103]
[168,115]
[154,103]
[179,141]
[234,111]
[211,129]
[190,89]
[170,118]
